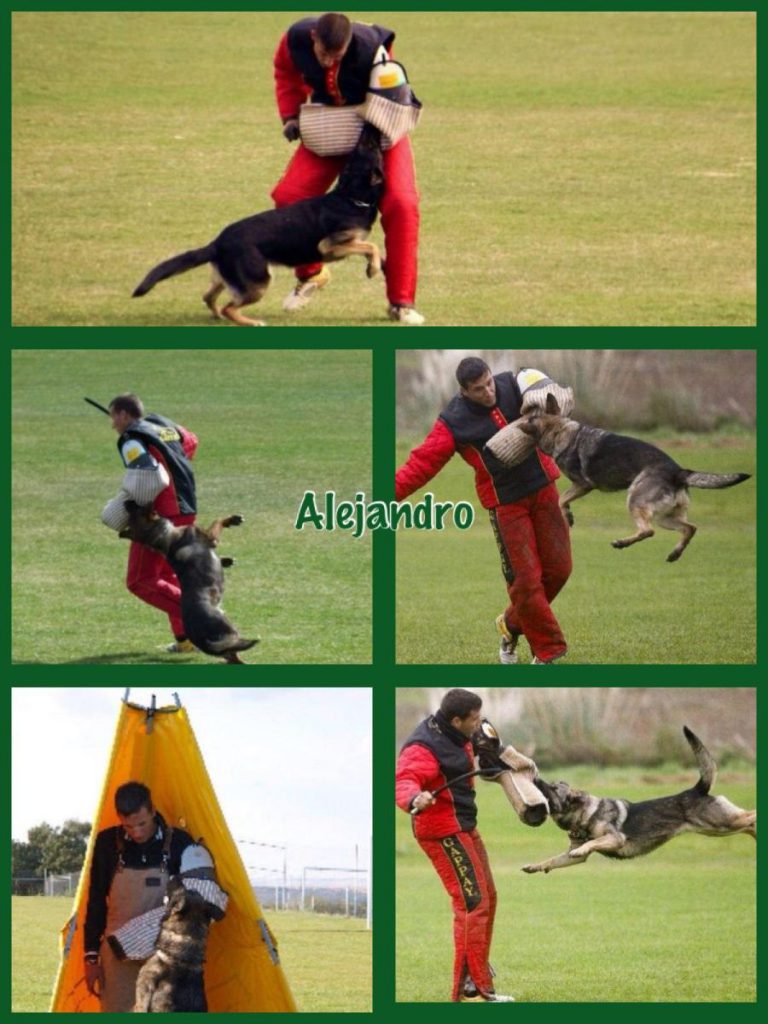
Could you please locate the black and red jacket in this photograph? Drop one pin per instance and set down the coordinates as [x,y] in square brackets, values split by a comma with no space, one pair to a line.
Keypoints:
[299,75]
[174,446]
[465,427]
[434,754]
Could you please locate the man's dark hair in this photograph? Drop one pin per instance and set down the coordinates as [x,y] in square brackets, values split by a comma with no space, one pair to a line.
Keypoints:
[471,369]
[334,31]
[129,403]
[132,797]
[459,703]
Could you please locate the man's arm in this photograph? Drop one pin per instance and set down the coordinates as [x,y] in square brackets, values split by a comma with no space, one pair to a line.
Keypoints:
[416,774]
[188,441]
[425,461]
[102,869]
[290,88]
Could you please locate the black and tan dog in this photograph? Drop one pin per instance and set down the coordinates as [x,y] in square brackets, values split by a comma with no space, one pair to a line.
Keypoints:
[622,829]
[322,229]
[595,459]
[190,552]
[171,981]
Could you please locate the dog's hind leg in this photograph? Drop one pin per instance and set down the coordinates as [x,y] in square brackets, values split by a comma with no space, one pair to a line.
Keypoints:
[256,277]
[232,312]
[642,515]
[676,519]
[217,287]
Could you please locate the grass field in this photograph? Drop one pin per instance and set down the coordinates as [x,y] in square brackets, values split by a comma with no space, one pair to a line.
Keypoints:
[264,420]
[676,926]
[601,172]
[622,607]
[337,982]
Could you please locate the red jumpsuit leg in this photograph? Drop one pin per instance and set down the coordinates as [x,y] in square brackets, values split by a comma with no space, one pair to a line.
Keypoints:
[492,895]
[464,871]
[152,580]
[400,221]
[307,175]
[535,548]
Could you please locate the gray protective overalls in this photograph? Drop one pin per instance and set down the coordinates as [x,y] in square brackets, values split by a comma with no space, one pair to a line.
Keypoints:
[133,891]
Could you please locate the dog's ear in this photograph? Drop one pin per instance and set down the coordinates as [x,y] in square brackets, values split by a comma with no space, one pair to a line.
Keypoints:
[552,407]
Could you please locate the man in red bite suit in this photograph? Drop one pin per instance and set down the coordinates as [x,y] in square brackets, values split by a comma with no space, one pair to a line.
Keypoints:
[445,827]
[144,441]
[522,501]
[329,59]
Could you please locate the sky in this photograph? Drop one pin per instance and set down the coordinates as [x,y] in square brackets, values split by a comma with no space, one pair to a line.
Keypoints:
[289,766]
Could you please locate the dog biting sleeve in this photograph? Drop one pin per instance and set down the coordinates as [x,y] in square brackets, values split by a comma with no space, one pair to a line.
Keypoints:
[114,514]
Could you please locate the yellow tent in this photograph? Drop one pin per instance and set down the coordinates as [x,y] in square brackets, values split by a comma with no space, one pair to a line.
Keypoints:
[156,746]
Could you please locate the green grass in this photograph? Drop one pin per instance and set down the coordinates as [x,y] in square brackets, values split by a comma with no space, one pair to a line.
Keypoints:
[620,607]
[271,425]
[675,926]
[339,981]
[601,172]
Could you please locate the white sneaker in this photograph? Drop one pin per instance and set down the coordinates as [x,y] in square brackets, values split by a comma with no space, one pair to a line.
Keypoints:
[508,645]
[405,315]
[305,291]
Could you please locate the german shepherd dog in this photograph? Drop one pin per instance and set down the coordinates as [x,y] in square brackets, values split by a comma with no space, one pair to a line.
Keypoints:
[621,829]
[595,459]
[171,981]
[190,552]
[322,229]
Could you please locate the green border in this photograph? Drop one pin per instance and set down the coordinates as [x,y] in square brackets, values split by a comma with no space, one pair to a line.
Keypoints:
[384,675]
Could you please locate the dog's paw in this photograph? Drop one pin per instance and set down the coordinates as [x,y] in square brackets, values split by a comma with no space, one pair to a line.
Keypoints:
[618,544]
[372,269]
[530,869]
[568,516]
[236,520]
[227,562]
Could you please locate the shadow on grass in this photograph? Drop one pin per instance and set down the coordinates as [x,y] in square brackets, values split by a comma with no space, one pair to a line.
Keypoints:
[120,658]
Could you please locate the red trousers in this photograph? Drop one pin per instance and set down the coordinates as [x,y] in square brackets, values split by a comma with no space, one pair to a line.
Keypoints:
[152,579]
[462,863]
[535,547]
[309,175]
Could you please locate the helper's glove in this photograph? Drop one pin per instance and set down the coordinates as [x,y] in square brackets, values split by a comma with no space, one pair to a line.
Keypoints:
[514,772]
[291,129]
[493,754]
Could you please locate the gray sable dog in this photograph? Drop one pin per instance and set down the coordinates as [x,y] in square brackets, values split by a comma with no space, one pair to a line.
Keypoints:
[190,552]
[171,981]
[622,829]
[595,459]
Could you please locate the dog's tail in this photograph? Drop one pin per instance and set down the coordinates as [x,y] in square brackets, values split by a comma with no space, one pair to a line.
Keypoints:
[713,480]
[175,265]
[705,761]
[243,644]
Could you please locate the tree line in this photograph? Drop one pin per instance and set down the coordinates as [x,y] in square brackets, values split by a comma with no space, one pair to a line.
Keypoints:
[59,850]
